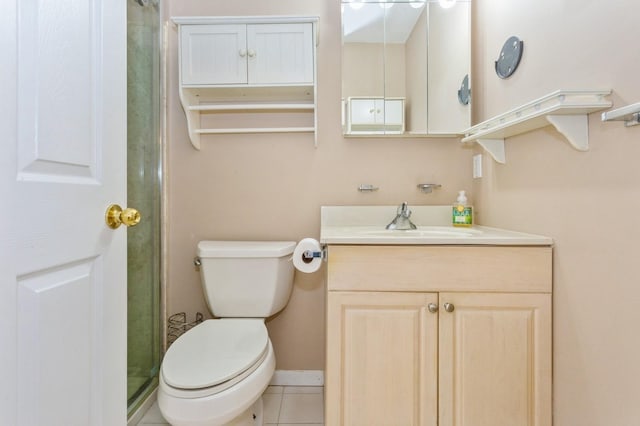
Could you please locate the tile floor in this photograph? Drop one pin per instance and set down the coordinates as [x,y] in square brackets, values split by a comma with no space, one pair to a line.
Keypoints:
[283,406]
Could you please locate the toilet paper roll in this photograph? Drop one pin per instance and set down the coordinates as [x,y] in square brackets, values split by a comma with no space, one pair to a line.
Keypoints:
[305,264]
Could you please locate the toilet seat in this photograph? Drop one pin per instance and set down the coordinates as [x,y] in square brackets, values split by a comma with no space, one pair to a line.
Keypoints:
[214,356]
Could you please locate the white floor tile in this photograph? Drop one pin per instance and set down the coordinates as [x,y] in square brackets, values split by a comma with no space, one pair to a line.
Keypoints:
[302,408]
[298,424]
[153,416]
[271,407]
[283,406]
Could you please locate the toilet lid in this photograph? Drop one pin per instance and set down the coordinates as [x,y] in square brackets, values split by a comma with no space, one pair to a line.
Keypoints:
[214,352]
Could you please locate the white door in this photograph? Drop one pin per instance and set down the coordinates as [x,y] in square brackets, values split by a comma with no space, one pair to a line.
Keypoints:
[62,161]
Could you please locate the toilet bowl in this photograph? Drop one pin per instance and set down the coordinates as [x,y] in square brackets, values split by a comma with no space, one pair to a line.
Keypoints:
[216,373]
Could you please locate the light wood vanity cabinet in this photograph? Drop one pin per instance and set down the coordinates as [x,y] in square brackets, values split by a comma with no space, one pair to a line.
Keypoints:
[397,356]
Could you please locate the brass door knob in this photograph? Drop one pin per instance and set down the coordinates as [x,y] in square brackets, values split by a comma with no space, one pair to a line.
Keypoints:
[115,216]
[449,307]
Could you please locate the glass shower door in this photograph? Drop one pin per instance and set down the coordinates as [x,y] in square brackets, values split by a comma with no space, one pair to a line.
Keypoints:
[144,189]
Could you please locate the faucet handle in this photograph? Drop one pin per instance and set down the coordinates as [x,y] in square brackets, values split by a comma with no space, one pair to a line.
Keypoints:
[404,211]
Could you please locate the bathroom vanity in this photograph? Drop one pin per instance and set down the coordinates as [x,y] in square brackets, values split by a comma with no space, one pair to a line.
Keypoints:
[437,326]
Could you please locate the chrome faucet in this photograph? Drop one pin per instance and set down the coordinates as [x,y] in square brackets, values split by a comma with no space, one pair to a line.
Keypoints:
[402,222]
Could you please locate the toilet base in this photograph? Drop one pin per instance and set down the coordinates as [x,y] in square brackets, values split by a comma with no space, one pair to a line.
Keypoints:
[251,417]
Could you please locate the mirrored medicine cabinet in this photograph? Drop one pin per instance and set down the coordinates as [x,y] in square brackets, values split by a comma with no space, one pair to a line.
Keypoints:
[405,67]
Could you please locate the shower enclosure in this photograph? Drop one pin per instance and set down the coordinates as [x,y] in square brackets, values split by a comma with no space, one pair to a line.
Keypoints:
[144,340]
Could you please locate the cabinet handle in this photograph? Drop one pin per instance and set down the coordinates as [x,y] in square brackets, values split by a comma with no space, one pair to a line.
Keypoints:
[252,53]
[371,111]
[242,53]
[433,308]
[449,307]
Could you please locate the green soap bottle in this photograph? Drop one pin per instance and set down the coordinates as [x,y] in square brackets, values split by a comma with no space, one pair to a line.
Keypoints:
[462,213]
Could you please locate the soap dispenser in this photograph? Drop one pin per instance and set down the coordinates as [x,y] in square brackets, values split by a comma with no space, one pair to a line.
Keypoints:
[462,213]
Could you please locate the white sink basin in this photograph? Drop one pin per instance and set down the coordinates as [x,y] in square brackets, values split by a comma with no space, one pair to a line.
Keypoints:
[426,232]
[366,225]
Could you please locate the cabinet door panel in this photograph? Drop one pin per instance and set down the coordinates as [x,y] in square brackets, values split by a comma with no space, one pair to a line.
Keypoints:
[394,112]
[495,360]
[280,53]
[213,54]
[381,359]
[362,111]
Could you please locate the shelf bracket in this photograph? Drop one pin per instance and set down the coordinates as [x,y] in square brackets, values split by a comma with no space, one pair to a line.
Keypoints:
[495,147]
[629,114]
[575,128]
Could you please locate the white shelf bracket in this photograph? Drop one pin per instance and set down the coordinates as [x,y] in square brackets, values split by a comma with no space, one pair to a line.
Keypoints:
[573,127]
[630,114]
[495,148]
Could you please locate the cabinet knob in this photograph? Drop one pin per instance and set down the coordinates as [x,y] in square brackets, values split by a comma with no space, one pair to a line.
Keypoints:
[242,53]
[449,307]
[252,53]
[371,111]
[433,308]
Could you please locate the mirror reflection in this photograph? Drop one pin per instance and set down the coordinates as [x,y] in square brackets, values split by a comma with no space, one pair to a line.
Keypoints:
[403,67]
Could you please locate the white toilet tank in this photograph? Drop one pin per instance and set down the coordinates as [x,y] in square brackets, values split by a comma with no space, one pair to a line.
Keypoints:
[246,279]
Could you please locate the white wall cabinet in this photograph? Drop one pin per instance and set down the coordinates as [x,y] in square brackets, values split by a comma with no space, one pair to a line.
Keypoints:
[240,70]
[375,115]
[412,342]
[219,54]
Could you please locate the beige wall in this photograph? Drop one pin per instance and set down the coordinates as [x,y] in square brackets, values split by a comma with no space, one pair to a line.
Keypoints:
[272,186]
[588,202]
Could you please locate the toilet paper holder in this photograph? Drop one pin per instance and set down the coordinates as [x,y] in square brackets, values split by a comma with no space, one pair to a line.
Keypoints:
[312,254]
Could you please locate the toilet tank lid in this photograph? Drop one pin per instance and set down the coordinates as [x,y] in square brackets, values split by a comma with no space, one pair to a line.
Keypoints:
[228,249]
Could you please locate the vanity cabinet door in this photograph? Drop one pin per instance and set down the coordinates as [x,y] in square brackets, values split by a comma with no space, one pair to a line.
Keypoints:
[381,359]
[213,54]
[495,359]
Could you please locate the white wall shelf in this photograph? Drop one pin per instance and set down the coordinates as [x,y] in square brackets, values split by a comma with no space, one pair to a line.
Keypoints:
[566,110]
[235,78]
[629,114]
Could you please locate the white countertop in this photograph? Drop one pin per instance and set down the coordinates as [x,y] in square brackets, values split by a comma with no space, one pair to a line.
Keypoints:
[366,225]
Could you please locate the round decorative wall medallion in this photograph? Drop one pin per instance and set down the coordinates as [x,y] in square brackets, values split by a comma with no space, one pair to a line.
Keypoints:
[510,56]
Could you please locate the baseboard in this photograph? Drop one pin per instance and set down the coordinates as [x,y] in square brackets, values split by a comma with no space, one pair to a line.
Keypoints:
[297,378]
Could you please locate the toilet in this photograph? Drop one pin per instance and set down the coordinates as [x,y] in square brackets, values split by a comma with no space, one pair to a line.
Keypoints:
[215,373]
